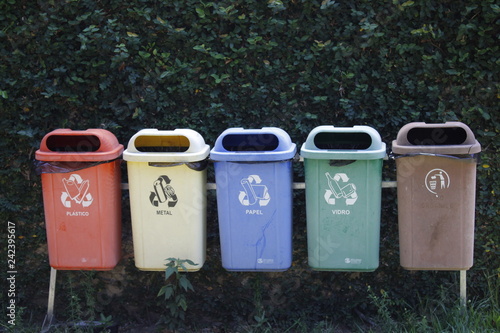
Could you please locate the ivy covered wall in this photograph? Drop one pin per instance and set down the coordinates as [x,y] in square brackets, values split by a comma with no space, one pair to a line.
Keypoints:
[128,65]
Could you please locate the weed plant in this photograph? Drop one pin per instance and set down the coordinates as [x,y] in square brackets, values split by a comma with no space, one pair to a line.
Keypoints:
[440,314]
[174,292]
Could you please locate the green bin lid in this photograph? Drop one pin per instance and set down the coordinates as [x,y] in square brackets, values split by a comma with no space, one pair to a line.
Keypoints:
[343,143]
[450,138]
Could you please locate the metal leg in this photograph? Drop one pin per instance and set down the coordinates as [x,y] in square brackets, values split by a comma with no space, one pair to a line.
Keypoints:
[47,322]
[463,288]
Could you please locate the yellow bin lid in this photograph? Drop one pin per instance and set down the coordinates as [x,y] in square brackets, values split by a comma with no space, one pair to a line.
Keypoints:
[179,145]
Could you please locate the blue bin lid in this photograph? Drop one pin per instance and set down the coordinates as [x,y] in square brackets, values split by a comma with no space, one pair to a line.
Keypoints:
[343,143]
[253,145]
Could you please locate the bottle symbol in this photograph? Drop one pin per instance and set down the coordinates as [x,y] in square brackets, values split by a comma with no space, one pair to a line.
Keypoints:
[163,192]
[340,188]
[76,189]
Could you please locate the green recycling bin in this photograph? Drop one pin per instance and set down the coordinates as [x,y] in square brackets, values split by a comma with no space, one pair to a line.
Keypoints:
[343,176]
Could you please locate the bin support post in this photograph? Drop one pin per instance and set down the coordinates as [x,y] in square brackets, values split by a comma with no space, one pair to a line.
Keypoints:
[463,288]
[47,322]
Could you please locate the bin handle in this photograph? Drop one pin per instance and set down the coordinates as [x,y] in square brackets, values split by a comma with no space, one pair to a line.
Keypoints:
[64,167]
[395,156]
[295,158]
[196,166]
[340,162]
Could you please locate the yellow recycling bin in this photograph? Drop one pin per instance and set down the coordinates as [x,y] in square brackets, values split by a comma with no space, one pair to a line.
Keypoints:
[167,185]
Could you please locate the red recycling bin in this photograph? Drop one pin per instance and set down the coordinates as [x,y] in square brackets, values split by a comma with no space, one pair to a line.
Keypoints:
[81,178]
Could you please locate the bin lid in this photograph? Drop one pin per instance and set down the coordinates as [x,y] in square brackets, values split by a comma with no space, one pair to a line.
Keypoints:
[449,138]
[178,145]
[343,143]
[91,145]
[253,145]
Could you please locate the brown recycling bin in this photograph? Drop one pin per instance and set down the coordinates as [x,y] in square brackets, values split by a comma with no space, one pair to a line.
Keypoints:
[436,175]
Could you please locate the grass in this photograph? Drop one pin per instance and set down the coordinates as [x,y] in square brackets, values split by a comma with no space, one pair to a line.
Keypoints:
[429,316]
[433,313]
[440,314]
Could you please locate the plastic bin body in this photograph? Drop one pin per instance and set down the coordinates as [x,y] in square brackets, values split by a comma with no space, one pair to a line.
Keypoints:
[436,174]
[167,185]
[82,198]
[253,172]
[343,175]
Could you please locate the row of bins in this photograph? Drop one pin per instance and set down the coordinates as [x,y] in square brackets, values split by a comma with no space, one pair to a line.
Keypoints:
[167,172]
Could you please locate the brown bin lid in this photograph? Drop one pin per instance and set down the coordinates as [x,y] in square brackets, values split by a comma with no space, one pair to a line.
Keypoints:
[450,138]
[91,145]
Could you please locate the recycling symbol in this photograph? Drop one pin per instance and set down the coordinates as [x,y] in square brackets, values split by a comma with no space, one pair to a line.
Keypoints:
[340,188]
[253,192]
[76,189]
[163,192]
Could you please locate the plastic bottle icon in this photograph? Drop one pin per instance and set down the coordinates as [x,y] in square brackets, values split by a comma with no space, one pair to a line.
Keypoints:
[76,189]
[75,192]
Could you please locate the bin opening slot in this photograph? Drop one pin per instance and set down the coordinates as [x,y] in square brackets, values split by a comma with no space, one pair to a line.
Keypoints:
[162,144]
[436,136]
[73,143]
[339,140]
[340,163]
[250,142]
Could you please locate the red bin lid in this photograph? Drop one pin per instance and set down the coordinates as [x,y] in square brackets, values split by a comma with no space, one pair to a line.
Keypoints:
[91,145]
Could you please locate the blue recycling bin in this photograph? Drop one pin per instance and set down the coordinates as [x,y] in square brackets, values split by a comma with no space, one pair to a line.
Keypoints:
[253,175]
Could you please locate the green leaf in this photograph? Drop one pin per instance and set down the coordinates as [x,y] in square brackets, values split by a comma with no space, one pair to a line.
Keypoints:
[201,48]
[137,113]
[182,302]
[485,114]
[327,3]
[219,78]
[167,291]
[201,12]
[144,55]
[165,74]
[185,284]
[169,271]
[190,262]
[173,308]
